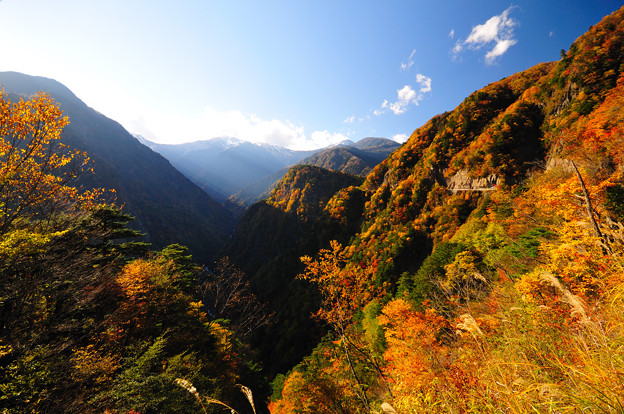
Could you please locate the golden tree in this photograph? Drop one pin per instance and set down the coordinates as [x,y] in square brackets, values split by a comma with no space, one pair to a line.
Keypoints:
[35,167]
[345,286]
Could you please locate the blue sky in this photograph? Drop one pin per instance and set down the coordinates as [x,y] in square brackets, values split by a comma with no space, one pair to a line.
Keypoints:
[300,74]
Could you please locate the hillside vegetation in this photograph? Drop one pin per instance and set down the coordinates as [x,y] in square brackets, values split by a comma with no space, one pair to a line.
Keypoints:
[487,275]
[358,158]
[268,241]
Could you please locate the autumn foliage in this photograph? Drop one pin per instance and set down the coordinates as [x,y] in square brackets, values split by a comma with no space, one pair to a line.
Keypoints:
[36,168]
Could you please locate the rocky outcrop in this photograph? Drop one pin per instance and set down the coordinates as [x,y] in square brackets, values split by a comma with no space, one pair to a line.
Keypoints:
[461,181]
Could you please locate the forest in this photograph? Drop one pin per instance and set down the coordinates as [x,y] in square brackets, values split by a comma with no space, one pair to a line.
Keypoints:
[479,268]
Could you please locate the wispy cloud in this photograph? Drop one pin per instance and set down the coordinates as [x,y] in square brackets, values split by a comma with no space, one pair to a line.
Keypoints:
[407,96]
[349,120]
[452,33]
[410,61]
[497,30]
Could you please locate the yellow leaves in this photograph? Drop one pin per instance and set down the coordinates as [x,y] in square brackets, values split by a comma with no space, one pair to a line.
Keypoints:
[464,270]
[24,241]
[5,350]
[35,168]
[195,310]
[223,337]
[345,286]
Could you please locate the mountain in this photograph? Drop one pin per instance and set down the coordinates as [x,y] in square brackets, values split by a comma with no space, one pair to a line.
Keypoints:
[224,166]
[491,238]
[357,158]
[167,206]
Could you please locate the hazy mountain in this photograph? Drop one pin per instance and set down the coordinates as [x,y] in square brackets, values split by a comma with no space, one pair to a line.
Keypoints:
[244,172]
[167,206]
[224,166]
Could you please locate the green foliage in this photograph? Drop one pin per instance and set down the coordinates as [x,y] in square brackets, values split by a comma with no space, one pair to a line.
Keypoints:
[426,282]
[108,233]
[528,244]
[277,386]
[187,269]
[147,383]
[23,380]
[373,332]
[615,201]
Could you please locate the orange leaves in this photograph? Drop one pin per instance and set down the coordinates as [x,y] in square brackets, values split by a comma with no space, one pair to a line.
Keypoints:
[345,286]
[413,345]
[297,396]
[138,277]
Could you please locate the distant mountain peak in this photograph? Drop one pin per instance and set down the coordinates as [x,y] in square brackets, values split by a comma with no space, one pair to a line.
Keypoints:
[343,143]
[227,142]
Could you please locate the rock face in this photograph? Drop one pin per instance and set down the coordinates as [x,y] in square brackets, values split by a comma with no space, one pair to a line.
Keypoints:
[461,181]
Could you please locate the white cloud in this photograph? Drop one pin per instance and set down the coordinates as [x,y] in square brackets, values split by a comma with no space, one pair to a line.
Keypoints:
[410,61]
[349,120]
[380,111]
[406,96]
[452,33]
[424,82]
[174,129]
[320,139]
[497,29]
[500,48]
[400,138]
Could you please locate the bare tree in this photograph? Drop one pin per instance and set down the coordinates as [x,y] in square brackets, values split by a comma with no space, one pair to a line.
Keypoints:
[227,294]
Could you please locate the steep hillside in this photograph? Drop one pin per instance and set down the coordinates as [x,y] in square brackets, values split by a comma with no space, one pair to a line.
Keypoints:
[495,137]
[357,158]
[167,206]
[488,265]
[268,241]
